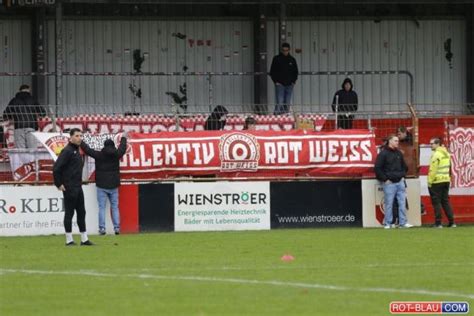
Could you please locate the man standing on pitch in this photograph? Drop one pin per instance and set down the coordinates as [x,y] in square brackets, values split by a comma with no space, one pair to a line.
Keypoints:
[439,180]
[391,169]
[67,173]
[107,178]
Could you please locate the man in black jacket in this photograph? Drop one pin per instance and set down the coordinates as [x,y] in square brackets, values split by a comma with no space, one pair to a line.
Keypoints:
[284,73]
[107,178]
[345,102]
[390,169]
[24,111]
[67,173]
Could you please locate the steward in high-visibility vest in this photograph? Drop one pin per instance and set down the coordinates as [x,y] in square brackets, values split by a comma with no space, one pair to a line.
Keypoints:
[439,180]
[440,165]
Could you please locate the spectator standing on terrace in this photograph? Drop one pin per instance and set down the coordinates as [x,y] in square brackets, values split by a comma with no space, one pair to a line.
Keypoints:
[284,73]
[216,121]
[67,173]
[439,180]
[406,146]
[250,124]
[390,169]
[24,111]
[345,103]
[404,136]
[107,178]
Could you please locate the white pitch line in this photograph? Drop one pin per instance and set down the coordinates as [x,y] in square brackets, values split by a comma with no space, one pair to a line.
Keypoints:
[295,267]
[243,281]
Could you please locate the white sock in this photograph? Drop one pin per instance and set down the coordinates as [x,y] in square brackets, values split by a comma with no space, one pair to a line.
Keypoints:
[69,238]
[84,237]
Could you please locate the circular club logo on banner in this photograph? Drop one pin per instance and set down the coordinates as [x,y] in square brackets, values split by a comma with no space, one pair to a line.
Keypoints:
[57,143]
[239,152]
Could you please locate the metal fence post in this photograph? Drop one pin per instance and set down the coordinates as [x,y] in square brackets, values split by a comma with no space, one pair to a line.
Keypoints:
[59,55]
[35,153]
[211,91]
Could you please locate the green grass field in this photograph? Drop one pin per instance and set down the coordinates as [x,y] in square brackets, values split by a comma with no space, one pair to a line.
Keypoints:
[335,272]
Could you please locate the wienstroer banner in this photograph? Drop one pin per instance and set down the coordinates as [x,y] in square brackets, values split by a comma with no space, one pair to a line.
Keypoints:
[249,154]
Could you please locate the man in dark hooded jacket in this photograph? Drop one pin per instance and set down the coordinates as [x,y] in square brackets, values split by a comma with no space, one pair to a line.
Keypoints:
[107,178]
[24,111]
[345,103]
[216,121]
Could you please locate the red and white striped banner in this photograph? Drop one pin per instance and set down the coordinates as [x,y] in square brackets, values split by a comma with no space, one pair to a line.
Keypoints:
[104,124]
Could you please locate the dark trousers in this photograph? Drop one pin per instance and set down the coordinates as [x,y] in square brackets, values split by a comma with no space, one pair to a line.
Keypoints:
[74,200]
[439,194]
[345,122]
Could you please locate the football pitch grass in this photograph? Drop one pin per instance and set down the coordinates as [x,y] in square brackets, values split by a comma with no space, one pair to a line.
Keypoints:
[334,272]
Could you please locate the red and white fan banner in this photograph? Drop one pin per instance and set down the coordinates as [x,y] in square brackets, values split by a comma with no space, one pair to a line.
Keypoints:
[249,154]
[34,165]
[31,166]
[55,142]
[461,146]
[269,154]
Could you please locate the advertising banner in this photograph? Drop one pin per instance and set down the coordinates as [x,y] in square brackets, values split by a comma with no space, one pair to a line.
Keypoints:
[39,210]
[316,204]
[373,201]
[222,206]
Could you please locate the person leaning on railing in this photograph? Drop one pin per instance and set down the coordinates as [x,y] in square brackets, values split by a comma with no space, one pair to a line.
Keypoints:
[404,135]
[345,103]
[24,111]
[250,124]
[216,121]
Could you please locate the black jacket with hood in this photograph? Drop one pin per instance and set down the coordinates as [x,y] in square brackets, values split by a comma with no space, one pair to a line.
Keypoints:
[107,163]
[390,165]
[24,110]
[215,122]
[348,101]
[284,69]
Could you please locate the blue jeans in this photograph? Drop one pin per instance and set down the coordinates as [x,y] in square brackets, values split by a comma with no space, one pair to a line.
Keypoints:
[102,196]
[392,191]
[283,98]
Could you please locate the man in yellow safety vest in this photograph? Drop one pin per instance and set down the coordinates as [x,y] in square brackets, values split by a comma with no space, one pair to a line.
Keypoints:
[439,180]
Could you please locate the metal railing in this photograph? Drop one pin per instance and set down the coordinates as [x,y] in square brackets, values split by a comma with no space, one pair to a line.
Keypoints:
[199,90]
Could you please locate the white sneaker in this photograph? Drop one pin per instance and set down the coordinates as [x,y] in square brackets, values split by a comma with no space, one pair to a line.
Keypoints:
[407,225]
[386,226]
